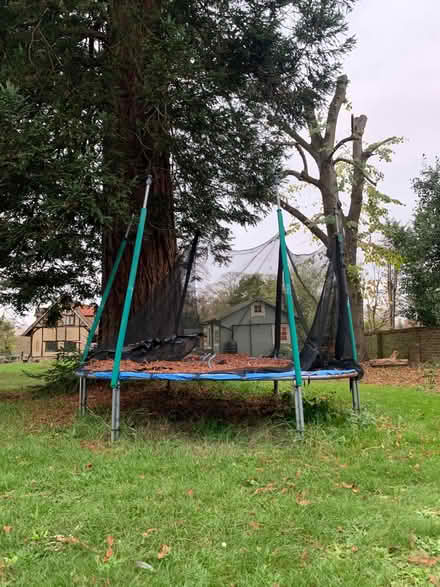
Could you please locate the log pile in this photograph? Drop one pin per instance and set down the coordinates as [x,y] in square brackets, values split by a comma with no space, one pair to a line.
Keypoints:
[391,361]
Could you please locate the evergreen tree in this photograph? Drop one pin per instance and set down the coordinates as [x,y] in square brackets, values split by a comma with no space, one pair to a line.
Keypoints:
[96,95]
[420,247]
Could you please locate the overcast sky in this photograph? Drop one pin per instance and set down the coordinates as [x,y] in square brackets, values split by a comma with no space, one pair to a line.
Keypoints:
[394,74]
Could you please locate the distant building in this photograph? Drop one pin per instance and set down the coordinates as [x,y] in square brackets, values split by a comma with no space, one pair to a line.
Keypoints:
[68,335]
[250,325]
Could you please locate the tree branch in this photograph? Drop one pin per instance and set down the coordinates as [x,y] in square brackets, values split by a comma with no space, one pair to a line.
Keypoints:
[346,140]
[358,167]
[293,134]
[371,149]
[302,176]
[333,110]
[314,229]
[314,132]
[303,157]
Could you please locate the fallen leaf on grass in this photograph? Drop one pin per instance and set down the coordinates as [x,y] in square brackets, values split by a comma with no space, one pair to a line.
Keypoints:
[354,549]
[89,465]
[149,531]
[190,492]
[66,539]
[144,565]
[423,560]
[268,487]
[301,500]
[109,552]
[164,551]
[304,556]
[351,486]
[255,525]
[7,529]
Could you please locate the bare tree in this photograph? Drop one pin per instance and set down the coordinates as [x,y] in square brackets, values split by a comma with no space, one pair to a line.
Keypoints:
[322,148]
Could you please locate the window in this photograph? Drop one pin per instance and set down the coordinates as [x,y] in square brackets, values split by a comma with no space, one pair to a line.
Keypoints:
[51,346]
[258,309]
[69,319]
[69,346]
[285,335]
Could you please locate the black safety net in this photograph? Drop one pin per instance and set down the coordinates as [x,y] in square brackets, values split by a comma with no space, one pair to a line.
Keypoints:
[240,307]
[168,326]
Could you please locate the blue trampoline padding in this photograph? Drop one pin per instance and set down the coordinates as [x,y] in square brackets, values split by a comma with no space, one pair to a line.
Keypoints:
[124,375]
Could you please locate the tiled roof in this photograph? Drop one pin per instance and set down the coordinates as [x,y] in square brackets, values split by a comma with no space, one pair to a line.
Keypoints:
[87,311]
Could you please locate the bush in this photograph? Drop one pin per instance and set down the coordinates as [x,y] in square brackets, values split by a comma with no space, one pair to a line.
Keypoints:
[60,376]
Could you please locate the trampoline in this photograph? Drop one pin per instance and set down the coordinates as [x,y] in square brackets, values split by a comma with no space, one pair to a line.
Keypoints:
[328,343]
[246,376]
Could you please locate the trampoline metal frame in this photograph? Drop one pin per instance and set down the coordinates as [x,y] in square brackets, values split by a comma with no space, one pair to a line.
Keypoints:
[296,398]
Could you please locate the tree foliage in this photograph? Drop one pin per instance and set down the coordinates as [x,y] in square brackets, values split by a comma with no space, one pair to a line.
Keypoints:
[7,335]
[92,90]
[420,245]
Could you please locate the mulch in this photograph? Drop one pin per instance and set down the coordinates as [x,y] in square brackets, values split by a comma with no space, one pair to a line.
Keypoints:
[399,375]
[193,364]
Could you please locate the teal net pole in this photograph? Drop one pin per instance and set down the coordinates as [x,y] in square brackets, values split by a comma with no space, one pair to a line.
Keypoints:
[130,287]
[105,295]
[289,298]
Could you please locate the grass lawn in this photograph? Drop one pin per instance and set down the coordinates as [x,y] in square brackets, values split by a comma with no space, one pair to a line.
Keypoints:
[13,376]
[207,502]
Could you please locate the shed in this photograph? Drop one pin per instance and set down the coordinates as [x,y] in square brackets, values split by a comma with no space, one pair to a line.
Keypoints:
[250,324]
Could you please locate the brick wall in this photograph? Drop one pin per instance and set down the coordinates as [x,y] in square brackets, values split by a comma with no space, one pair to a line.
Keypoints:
[382,343]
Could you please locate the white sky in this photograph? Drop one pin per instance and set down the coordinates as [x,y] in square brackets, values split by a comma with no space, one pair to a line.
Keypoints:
[394,74]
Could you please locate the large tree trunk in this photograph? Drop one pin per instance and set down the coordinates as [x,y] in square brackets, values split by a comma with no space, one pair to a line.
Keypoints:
[136,149]
[352,230]
[355,290]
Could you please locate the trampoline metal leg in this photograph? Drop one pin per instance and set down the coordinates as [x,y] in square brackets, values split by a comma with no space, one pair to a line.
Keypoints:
[275,387]
[85,394]
[116,411]
[299,410]
[82,395]
[355,396]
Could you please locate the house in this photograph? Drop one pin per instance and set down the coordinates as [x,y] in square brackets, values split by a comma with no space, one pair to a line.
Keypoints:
[251,325]
[68,334]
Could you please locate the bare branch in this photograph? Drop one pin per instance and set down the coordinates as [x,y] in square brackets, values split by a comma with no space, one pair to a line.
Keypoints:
[293,134]
[358,167]
[314,132]
[314,229]
[339,145]
[303,157]
[302,176]
[371,149]
[334,108]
